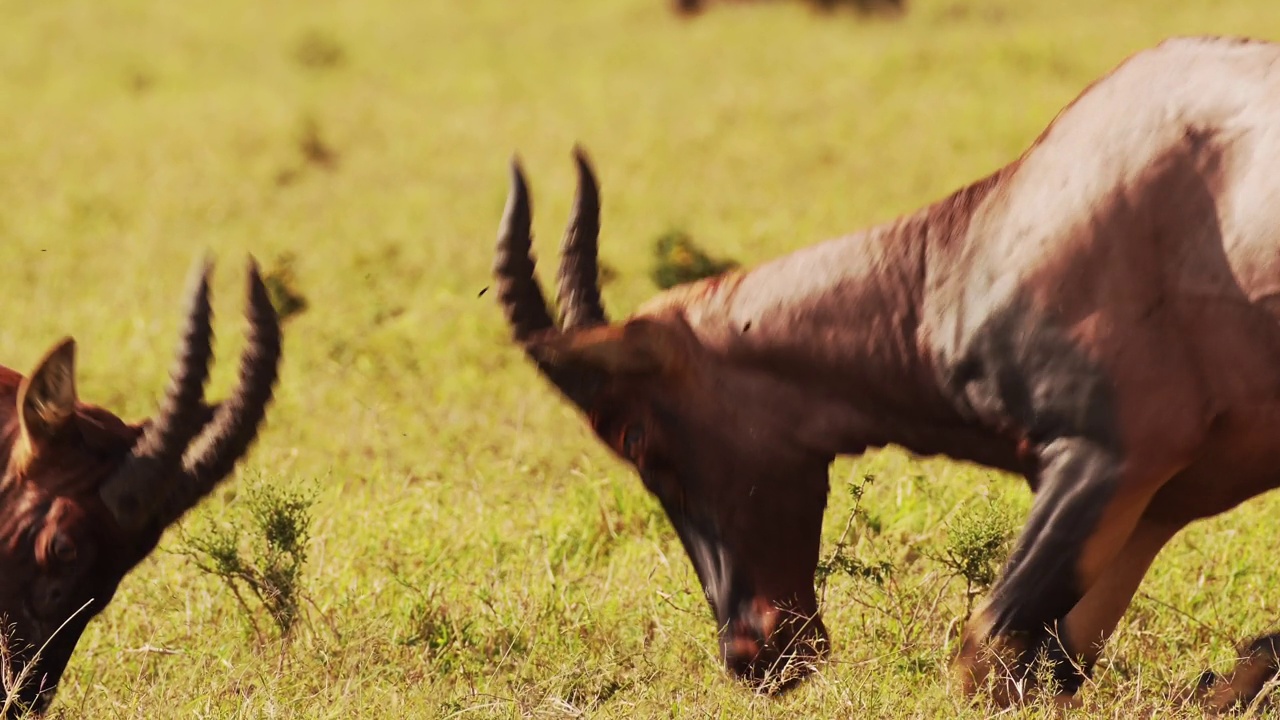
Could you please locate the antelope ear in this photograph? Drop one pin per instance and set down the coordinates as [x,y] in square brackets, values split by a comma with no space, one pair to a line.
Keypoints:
[638,347]
[47,397]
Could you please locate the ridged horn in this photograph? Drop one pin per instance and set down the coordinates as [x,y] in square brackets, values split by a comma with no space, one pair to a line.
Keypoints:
[520,294]
[579,279]
[157,454]
[213,455]
[518,290]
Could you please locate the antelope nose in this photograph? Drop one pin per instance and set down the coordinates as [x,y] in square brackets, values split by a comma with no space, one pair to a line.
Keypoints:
[770,655]
[741,654]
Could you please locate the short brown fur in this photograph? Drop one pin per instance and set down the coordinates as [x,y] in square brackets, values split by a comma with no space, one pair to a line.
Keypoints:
[85,496]
[1100,316]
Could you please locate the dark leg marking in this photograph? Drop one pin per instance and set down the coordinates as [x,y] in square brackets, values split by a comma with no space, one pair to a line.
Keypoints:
[1041,583]
[1019,372]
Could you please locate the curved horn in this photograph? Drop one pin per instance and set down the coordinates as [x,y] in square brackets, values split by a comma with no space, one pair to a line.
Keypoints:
[158,452]
[518,290]
[579,296]
[213,455]
[521,295]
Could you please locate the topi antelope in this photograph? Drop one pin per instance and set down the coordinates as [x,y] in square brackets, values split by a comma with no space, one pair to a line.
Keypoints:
[1100,316]
[85,496]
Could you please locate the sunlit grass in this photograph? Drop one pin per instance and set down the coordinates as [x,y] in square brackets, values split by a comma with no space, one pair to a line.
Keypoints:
[475,552]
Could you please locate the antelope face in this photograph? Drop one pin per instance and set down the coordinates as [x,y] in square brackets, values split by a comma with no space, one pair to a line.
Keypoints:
[84,496]
[708,439]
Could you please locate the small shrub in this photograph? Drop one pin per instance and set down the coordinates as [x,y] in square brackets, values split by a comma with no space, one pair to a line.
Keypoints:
[977,544]
[606,273]
[139,81]
[678,260]
[316,50]
[261,554]
[864,7]
[860,523]
[282,287]
[315,150]
[861,6]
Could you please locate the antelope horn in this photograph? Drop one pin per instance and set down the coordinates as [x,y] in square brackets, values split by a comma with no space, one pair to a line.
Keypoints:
[521,295]
[213,455]
[518,289]
[158,452]
[579,296]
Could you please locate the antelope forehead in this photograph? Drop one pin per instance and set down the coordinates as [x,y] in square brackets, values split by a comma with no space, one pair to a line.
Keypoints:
[23,510]
[102,430]
[73,467]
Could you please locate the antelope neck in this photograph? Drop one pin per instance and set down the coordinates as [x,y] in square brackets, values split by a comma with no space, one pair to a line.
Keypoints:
[838,333]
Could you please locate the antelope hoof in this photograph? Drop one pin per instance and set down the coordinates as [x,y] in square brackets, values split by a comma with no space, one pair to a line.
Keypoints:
[992,665]
[1010,667]
[778,663]
[1257,667]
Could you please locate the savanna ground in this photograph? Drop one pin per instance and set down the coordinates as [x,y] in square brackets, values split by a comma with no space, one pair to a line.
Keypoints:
[474,552]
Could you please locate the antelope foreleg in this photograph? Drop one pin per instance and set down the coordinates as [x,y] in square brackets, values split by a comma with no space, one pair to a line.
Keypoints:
[1080,520]
[1092,621]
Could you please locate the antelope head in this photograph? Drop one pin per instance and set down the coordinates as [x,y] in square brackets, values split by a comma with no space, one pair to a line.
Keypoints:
[84,496]
[707,437]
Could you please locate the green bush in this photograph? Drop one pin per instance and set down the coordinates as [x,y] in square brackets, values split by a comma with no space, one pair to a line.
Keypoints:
[678,260]
[282,287]
[977,544]
[261,553]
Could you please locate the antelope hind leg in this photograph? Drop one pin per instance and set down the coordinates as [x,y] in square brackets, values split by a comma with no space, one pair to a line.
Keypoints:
[1258,664]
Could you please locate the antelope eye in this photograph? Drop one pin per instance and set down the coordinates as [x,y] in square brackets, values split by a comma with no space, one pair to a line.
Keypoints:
[632,441]
[63,549]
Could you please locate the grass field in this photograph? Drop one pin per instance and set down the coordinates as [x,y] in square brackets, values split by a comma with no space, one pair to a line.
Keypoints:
[475,552]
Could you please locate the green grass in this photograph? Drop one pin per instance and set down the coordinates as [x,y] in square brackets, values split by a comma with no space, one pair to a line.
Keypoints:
[476,553]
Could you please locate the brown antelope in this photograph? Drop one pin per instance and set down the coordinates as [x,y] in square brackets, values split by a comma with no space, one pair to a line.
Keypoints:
[85,496]
[1099,316]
